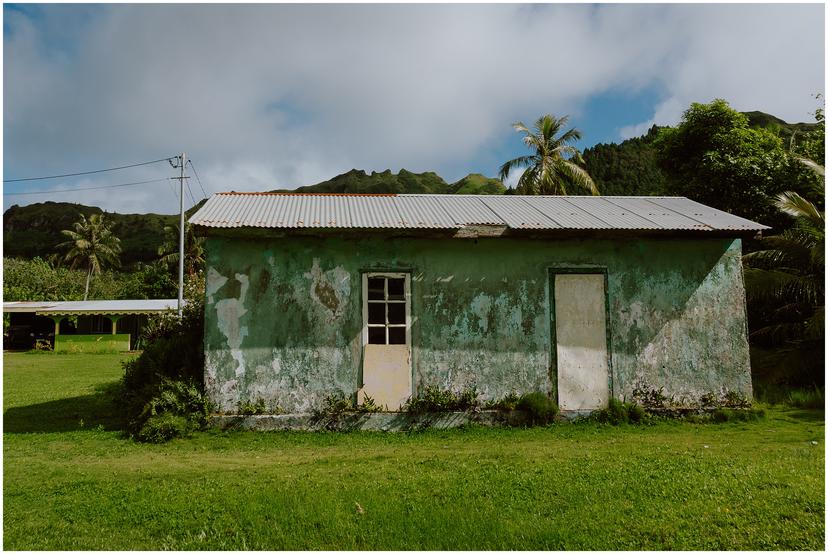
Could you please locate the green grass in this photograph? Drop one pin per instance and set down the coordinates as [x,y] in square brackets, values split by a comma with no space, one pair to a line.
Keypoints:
[747,485]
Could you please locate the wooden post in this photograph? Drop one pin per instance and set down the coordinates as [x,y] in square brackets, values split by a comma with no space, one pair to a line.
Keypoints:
[114,319]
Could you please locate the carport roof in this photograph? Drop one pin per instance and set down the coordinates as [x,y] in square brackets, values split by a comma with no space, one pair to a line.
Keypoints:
[91,307]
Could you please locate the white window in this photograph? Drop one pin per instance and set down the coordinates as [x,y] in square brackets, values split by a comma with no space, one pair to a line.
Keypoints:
[386,308]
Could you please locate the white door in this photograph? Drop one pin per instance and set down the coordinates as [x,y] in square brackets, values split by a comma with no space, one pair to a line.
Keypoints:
[386,339]
[581,341]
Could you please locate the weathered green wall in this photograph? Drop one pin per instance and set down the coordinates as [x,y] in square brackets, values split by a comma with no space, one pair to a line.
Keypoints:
[284,316]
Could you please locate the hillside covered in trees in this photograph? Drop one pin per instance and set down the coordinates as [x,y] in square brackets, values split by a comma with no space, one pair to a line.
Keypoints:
[35,230]
[357,181]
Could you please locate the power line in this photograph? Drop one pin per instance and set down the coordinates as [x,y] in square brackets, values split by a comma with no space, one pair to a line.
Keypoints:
[87,188]
[172,189]
[85,172]
[197,178]
[190,193]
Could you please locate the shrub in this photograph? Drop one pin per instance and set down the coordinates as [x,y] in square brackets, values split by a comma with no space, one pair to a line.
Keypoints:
[337,405]
[650,398]
[163,427]
[508,402]
[733,399]
[177,409]
[618,412]
[252,408]
[637,413]
[168,375]
[368,406]
[468,399]
[433,399]
[538,407]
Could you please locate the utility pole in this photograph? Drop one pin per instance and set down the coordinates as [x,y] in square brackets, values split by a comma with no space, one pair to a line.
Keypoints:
[183,162]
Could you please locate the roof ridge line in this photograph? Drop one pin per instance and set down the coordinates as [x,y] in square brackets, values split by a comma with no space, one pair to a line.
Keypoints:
[271,193]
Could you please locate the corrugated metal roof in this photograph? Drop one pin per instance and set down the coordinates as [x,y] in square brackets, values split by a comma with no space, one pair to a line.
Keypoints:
[93,306]
[442,211]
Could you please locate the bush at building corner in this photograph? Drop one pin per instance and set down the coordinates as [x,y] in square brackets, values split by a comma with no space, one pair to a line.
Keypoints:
[162,393]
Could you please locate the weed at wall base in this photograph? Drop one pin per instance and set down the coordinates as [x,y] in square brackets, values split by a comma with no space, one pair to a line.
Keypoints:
[538,407]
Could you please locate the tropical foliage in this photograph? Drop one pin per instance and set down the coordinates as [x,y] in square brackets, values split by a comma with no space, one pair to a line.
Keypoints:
[162,393]
[36,230]
[627,168]
[193,249]
[715,157]
[785,287]
[556,166]
[93,245]
[39,279]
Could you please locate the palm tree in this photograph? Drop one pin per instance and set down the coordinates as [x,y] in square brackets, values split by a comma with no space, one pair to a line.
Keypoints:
[786,278]
[193,249]
[91,243]
[556,164]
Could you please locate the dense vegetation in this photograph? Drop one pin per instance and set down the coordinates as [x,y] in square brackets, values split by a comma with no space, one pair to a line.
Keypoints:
[39,279]
[35,230]
[715,157]
[162,392]
[628,168]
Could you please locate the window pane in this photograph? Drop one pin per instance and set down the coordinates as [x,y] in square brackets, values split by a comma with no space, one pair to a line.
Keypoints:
[376,335]
[376,312]
[396,289]
[396,313]
[376,288]
[396,335]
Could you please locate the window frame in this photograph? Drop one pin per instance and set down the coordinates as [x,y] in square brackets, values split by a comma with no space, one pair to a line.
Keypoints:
[406,300]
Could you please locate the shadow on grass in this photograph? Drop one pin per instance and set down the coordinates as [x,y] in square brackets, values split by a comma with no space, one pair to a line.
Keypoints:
[90,411]
[805,415]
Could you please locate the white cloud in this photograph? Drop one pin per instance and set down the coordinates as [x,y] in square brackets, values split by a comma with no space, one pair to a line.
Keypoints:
[278,96]
[667,112]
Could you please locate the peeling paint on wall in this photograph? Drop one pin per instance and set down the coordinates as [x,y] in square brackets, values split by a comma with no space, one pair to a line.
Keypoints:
[283,322]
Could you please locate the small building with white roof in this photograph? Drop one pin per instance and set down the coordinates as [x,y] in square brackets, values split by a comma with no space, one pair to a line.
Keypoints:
[381,296]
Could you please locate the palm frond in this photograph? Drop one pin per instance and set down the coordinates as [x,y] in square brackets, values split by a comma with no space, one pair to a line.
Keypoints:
[579,177]
[521,161]
[812,165]
[528,182]
[570,136]
[794,205]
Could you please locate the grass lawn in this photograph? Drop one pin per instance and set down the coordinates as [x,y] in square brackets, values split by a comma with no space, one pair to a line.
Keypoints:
[72,482]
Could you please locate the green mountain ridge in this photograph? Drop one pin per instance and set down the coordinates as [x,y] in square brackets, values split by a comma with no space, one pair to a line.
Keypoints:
[357,181]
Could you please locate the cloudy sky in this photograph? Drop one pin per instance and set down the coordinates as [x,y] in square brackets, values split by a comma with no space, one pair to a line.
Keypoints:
[264,97]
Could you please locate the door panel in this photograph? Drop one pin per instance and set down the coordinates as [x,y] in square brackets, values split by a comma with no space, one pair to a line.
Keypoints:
[386,375]
[386,367]
[581,337]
